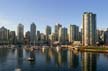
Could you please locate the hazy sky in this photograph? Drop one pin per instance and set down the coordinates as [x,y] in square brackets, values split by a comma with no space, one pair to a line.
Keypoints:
[49,12]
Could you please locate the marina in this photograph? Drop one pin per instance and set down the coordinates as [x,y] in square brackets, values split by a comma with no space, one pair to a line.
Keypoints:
[51,59]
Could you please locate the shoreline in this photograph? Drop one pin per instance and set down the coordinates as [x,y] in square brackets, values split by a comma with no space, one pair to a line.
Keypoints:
[94,49]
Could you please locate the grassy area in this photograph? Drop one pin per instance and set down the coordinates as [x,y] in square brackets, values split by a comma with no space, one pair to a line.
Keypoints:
[94,49]
[98,48]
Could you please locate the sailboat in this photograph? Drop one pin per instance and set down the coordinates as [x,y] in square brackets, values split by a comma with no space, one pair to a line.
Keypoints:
[32,56]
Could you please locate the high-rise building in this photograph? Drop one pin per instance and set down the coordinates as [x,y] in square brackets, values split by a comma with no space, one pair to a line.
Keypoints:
[27,37]
[48,32]
[42,38]
[42,35]
[57,27]
[33,33]
[89,29]
[12,37]
[100,36]
[4,35]
[38,35]
[80,36]
[106,37]
[63,36]
[73,33]
[20,34]
[52,37]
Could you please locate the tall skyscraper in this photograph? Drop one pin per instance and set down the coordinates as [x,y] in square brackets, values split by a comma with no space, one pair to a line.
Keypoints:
[12,37]
[33,33]
[4,35]
[89,29]
[63,37]
[52,37]
[100,36]
[38,35]
[20,34]
[106,37]
[27,38]
[48,32]
[57,27]
[73,33]
[42,38]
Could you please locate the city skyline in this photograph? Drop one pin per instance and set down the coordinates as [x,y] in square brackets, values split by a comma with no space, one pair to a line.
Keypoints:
[88,34]
[50,12]
[53,35]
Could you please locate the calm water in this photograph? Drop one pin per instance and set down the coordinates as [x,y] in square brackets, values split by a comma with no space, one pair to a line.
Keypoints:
[52,60]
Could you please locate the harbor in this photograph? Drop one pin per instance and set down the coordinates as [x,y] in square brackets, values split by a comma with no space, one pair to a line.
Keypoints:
[51,58]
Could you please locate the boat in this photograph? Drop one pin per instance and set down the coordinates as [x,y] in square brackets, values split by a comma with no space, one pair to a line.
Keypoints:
[18,69]
[32,56]
[31,59]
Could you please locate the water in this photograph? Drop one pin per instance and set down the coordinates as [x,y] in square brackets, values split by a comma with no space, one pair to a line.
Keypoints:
[52,60]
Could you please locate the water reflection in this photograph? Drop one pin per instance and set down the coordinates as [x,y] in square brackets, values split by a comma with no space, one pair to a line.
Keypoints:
[48,57]
[3,54]
[73,59]
[70,59]
[60,57]
[52,56]
[51,59]
[3,58]
[89,61]
[19,62]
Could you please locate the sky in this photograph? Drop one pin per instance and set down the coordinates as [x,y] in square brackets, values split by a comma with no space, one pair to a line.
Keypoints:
[50,12]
